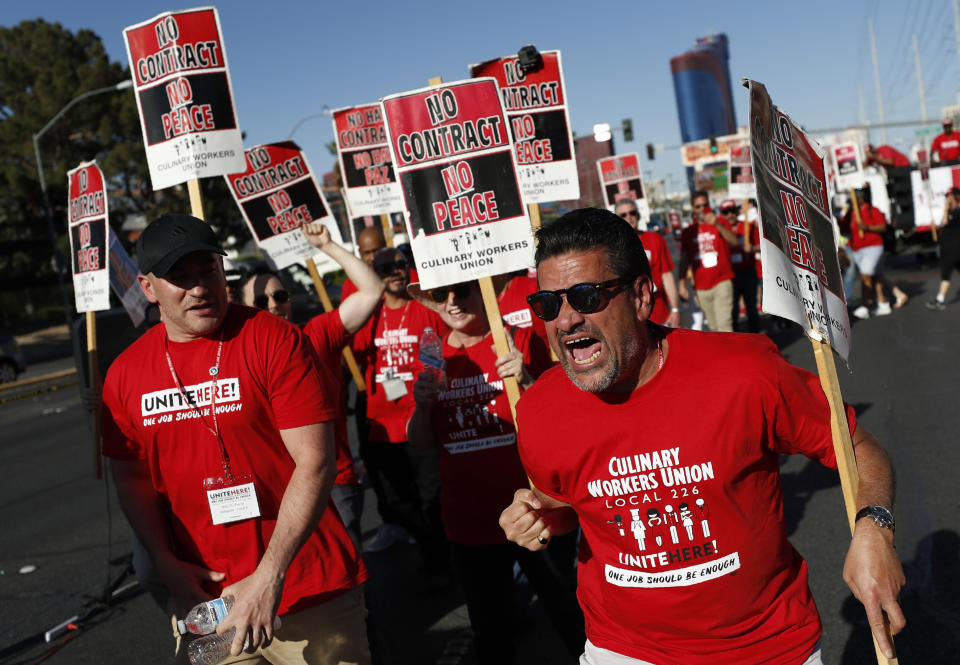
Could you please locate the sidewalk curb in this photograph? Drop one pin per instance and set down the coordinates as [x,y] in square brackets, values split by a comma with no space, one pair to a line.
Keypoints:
[37,385]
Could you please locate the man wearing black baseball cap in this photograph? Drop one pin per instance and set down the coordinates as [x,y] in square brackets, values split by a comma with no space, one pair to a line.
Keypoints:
[220,428]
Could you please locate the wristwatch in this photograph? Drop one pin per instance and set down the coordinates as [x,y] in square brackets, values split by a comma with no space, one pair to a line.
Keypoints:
[881,516]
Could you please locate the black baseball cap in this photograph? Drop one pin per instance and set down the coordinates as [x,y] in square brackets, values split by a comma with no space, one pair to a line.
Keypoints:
[171,237]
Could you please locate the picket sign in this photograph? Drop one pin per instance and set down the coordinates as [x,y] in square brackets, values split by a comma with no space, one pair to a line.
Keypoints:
[855,204]
[328,307]
[495,319]
[770,124]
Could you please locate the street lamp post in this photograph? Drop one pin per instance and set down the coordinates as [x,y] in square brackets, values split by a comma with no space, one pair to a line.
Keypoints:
[324,112]
[57,254]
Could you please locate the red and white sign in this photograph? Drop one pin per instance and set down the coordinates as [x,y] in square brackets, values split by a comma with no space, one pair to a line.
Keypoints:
[741,184]
[621,180]
[369,180]
[185,97]
[537,110]
[87,213]
[455,161]
[849,167]
[277,195]
[675,219]
[798,250]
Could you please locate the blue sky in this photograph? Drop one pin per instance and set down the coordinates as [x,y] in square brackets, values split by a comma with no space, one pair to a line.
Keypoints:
[289,59]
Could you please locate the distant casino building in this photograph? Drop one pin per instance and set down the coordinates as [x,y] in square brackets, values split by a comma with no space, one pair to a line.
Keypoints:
[701,83]
[587,152]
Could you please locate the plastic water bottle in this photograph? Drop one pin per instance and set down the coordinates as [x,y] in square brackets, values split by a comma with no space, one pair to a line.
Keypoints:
[431,355]
[203,619]
[211,649]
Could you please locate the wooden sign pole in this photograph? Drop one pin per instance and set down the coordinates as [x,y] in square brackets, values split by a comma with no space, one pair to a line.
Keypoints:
[385,226]
[93,369]
[196,199]
[328,307]
[856,211]
[843,447]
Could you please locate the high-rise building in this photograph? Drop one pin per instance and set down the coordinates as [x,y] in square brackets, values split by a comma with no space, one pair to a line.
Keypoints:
[701,83]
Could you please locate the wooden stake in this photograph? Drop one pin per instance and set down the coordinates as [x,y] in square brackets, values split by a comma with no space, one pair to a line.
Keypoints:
[387,228]
[328,307]
[495,319]
[93,370]
[196,199]
[534,209]
[856,211]
[842,446]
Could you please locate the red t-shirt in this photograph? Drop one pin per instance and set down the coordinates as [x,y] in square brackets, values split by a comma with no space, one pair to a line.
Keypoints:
[708,254]
[947,147]
[740,259]
[516,311]
[869,216]
[479,465]
[268,381]
[658,255]
[389,345]
[347,289]
[671,506]
[889,152]
[328,337]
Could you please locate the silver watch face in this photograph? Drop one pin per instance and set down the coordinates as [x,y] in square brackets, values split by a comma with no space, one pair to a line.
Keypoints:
[881,516]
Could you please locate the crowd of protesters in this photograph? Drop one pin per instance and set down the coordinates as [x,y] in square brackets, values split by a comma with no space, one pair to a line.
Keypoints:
[226,427]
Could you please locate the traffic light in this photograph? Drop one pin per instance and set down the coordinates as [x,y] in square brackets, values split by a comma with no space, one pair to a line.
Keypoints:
[650,152]
[713,145]
[627,129]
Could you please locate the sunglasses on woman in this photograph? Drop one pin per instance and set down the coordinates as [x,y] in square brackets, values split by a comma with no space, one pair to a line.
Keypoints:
[441,293]
[279,296]
[585,298]
[389,267]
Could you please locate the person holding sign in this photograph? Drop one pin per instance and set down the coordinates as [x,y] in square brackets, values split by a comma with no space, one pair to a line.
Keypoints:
[329,333]
[220,430]
[949,247]
[666,306]
[404,478]
[714,580]
[468,418]
[705,247]
[945,146]
[866,232]
[745,279]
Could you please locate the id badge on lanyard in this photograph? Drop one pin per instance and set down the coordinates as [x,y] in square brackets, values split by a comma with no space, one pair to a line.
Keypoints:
[231,497]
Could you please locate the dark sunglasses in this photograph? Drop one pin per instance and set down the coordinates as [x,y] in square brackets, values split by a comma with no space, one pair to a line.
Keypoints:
[585,298]
[386,268]
[629,213]
[279,296]
[441,293]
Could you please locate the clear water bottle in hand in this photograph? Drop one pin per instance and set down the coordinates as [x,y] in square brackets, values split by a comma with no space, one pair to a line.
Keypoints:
[203,619]
[431,355]
[211,649]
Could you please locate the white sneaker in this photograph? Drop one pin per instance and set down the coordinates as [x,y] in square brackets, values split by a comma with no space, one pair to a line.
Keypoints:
[387,536]
[882,309]
[862,312]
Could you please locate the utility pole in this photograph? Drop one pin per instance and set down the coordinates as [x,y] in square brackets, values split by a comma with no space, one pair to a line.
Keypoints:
[916,59]
[956,25]
[876,79]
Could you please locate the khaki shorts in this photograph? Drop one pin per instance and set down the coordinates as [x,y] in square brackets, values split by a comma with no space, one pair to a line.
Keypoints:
[332,633]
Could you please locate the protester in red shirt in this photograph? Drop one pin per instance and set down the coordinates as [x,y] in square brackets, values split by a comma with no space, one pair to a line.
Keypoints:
[945,146]
[404,478]
[468,416]
[329,333]
[220,430]
[866,244]
[710,577]
[886,155]
[742,260]
[666,306]
[705,248]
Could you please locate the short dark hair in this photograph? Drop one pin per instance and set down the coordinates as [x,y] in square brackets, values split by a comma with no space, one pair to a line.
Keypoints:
[595,228]
[259,270]
[697,194]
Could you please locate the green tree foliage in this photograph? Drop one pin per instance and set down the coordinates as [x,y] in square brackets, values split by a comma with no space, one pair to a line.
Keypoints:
[42,68]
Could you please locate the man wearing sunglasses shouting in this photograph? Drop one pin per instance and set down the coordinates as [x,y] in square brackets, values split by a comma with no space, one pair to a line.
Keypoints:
[607,436]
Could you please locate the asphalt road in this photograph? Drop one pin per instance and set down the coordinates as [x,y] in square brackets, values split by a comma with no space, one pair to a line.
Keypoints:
[57,517]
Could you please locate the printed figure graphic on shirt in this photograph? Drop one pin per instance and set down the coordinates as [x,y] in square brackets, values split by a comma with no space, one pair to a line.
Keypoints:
[657,526]
[704,514]
[686,518]
[672,521]
[638,528]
